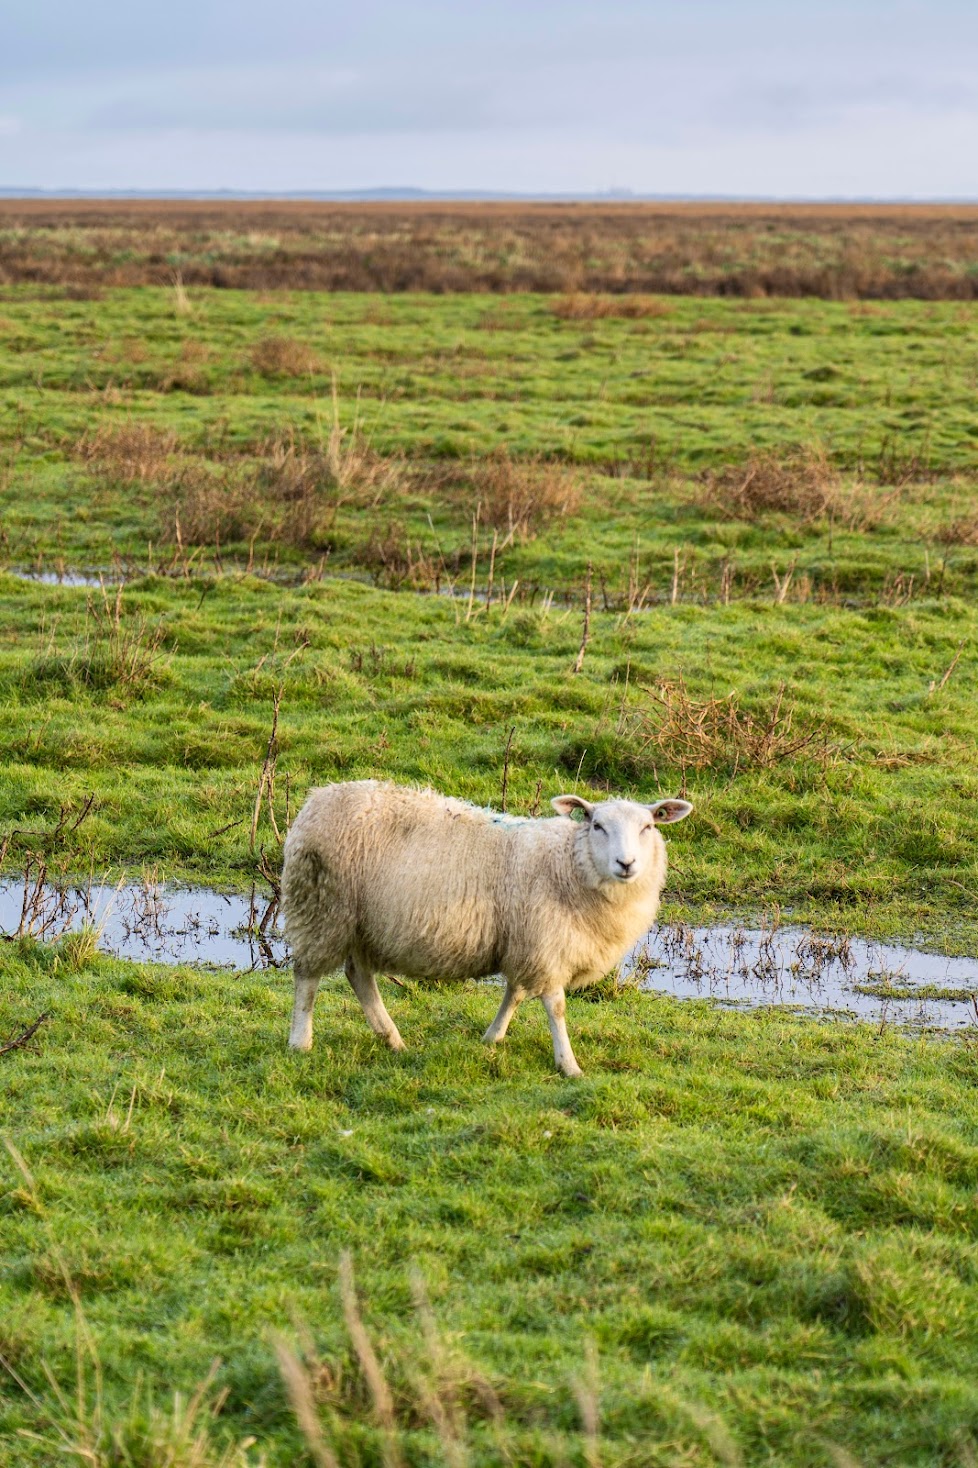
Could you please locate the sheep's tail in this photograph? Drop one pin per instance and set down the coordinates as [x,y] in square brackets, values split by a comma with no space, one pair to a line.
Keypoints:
[319,920]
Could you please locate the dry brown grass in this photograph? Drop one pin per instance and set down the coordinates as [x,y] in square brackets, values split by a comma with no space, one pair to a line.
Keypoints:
[117,653]
[283,356]
[719,733]
[517,497]
[963,531]
[583,307]
[129,453]
[750,250]
[801,484]
[292,495]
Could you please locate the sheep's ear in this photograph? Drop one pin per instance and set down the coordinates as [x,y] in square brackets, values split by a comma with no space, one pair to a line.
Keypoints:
[664,812]
[565,805]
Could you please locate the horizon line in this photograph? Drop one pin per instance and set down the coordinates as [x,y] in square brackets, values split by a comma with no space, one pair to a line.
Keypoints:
[407,194]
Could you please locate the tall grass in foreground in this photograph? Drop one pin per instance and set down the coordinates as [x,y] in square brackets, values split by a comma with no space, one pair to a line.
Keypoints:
[428,1405]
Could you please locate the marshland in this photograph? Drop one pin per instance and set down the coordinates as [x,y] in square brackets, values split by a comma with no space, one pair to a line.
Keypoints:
[608,533]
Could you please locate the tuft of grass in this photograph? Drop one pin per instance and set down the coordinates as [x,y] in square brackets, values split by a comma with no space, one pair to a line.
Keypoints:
[802,484]
[129,453]
[283,356]
[115,652]
[520,498]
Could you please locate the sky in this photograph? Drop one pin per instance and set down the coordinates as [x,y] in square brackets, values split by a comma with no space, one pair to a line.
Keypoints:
[755,98]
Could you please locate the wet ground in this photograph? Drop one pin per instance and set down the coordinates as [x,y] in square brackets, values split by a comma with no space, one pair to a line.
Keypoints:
[885,983]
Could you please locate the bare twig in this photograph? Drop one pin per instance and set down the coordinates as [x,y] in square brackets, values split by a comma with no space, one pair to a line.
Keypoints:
[936,687]
[505,785]
[222,830]
[22,1040]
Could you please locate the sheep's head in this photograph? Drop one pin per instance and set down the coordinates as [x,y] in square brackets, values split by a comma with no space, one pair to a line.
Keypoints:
[622,836]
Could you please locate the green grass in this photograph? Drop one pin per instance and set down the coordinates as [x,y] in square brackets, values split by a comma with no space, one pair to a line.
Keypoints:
[767,1218]
[757,1216]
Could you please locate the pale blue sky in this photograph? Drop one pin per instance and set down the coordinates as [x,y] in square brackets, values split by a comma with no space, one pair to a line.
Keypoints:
[741,97]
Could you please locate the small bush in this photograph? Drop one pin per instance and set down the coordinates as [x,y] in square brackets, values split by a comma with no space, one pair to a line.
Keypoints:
[802,484]
[963,531]
[130,453]
[516,496]
[283,356]
[718,733]
[292,495]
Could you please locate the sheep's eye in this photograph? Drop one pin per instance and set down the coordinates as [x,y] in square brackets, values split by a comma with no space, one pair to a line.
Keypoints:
[599,828]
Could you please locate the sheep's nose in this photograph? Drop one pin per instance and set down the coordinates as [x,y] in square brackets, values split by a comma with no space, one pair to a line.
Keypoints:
[625,867]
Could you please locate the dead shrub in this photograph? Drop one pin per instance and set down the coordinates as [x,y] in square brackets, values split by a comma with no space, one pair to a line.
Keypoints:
[293,494]
[187,374]
[583,307]
[202,506]
[394,561]
[516,496]
[718,733]
[802,484]
[963,531]
[283,356]
[129,453]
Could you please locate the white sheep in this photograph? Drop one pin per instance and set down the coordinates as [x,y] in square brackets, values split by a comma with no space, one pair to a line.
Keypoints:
[378,876]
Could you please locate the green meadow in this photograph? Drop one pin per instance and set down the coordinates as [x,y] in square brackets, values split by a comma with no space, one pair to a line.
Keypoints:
[348,536]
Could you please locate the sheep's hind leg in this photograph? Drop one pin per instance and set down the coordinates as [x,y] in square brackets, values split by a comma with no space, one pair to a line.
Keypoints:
[300,1036]
[556,1007]
[364,986]
[497,1030]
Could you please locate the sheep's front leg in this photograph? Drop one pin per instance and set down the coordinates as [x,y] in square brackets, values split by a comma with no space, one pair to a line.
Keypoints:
[365,988]
[511,1002]
[300,1036]
[556,1007]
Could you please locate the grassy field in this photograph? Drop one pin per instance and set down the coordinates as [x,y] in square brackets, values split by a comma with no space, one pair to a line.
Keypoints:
[742,1237]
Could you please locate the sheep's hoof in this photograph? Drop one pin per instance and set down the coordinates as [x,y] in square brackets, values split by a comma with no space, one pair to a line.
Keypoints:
[572,1072]
[301,1047]
[395,1042]
[489,1038]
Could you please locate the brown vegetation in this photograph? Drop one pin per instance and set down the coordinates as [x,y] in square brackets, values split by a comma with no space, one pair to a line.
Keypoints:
[833,251]
[283,356]
[129,453]
[963,531]
[516,497]
[719,733]
[802,484]
[583,307]
[292,495]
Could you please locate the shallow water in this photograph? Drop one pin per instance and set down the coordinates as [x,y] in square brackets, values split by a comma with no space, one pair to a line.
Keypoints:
[819,972]
[150,922]
[745,967]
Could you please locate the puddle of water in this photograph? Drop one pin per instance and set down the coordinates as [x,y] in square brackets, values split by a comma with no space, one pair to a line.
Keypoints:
[823,973]
[65,578]
[742,967]
[150,922]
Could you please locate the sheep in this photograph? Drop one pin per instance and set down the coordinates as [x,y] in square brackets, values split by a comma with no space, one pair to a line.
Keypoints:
[379,876]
